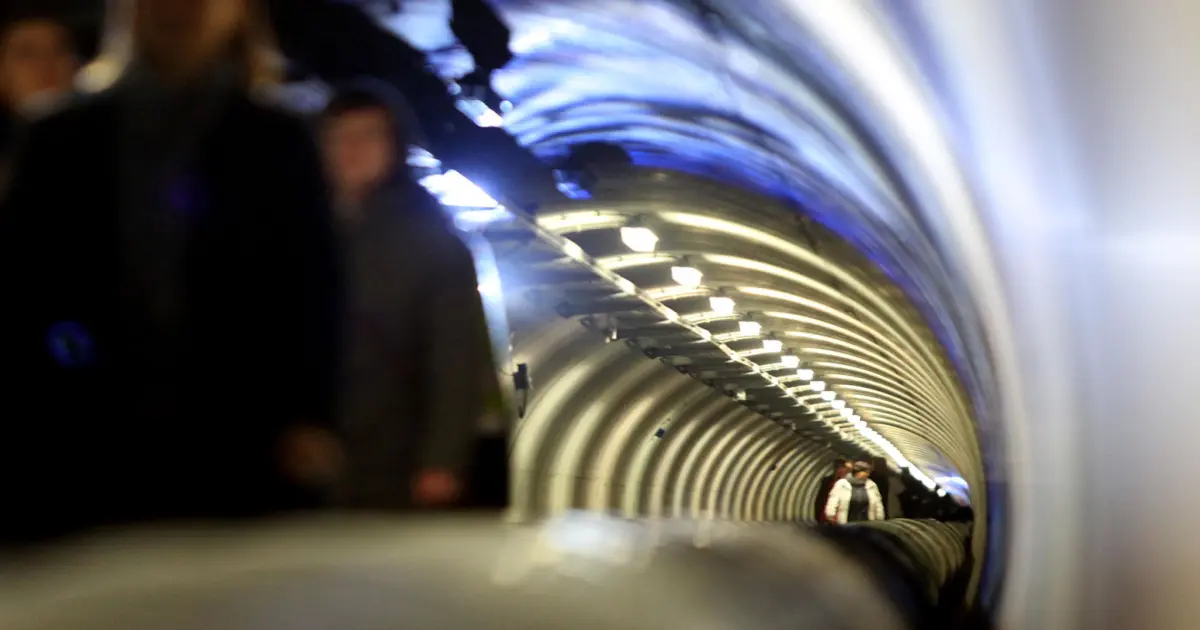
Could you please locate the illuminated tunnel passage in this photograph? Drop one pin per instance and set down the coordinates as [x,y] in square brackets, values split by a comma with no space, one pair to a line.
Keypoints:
[778,345]
[775,348]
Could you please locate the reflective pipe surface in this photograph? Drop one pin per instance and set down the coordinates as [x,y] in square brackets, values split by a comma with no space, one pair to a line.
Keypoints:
[583,571]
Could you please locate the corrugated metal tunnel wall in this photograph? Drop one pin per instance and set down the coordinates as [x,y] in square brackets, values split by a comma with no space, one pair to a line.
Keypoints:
[588,439]
[607,428]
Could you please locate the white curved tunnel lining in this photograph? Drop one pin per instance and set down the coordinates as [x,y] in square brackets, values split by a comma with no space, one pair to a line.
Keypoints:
[918,363]
[721,467]
[715,460]
[920,360]
[903,338]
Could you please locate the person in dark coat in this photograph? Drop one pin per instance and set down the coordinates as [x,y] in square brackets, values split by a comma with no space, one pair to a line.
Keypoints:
[169,269]
[414,389]
[38,61]
[881,475]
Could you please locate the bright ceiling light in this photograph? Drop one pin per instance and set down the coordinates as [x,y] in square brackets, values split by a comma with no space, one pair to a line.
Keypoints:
[847,413]
[747,327]
[830,396]
[740,395]
[687,276]
[837,404]
[639,239]
[790,361]
[721,305]
[817,386]
[772,345]
[491,287]
[573,250]
[469,219]
[454,190]
[805,374]
[479,112]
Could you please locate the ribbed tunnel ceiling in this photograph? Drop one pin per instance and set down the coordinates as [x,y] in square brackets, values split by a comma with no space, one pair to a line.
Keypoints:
[589,441]
[767,99]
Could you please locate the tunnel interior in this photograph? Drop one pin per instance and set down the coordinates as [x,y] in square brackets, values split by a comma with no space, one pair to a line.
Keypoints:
[761,166]
[713,242]
[754,144]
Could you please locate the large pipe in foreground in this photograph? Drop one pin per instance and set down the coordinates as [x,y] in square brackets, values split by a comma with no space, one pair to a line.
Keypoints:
[582,572]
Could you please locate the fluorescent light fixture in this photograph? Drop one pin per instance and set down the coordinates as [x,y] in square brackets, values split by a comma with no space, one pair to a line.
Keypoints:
[573,250]
[740,395]
[791,361]
[747,327]
[721,305]
[640,239]
[847,412]
[479,112]
[829,396]
[817,386]
[772,345]
[837,404]
[453,189]
[469,219]
[626,286]
[687,276]
[419,157]
[491,287]
[805,374]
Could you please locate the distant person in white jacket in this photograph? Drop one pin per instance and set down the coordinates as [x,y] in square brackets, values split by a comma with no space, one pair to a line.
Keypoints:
[855,498]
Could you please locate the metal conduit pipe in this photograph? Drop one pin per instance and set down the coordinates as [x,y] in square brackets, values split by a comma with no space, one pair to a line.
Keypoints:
[584,571]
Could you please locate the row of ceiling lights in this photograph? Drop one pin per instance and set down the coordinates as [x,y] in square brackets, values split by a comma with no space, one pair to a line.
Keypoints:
[643,240]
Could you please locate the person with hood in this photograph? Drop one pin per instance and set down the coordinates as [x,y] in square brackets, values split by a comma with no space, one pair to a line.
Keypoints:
[169,268]
[416,340]
[855,498]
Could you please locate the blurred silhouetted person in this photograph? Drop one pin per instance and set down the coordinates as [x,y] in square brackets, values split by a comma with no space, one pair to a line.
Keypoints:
[416,338]
[38,62]
[169,271]
[841,468]
[855,498]
[882,477]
